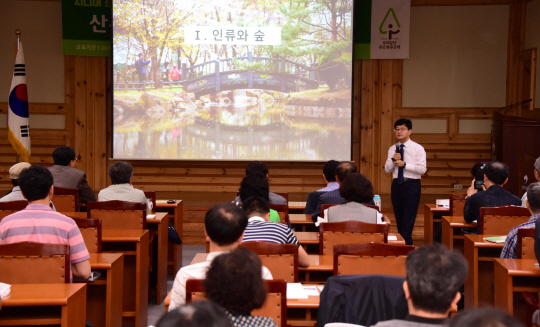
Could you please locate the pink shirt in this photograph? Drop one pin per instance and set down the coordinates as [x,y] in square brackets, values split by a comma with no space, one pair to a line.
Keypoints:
[40,224]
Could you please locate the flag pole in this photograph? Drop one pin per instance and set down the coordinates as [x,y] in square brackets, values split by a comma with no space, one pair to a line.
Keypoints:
[18,33]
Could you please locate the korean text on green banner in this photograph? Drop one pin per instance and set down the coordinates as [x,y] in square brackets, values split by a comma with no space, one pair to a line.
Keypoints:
[87,27]
[381,29]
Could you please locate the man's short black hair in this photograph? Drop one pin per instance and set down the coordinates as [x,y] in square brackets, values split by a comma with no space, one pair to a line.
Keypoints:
[497,172]
[195,314]
[533,196]
[63,155]
[329,170]
[255,205]
[434,276]
[35,182]
[476,168]
[255,185]
[344,169]
[403,121]
[225,223]
[234,281]
[484,317]
[120,172]
[257,167]
[356,188]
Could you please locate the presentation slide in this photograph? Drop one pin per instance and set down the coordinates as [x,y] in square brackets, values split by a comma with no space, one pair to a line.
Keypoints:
[232,80]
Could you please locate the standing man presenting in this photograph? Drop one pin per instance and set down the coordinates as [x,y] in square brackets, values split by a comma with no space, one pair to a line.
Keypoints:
[407,162]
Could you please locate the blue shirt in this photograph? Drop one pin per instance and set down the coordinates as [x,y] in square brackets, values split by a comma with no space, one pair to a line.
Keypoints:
[330,187]
[509,250]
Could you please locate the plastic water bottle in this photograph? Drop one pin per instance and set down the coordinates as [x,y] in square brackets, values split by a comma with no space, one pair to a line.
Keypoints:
[377,200]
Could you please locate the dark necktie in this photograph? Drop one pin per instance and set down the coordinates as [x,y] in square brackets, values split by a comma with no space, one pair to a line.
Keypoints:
[400,178]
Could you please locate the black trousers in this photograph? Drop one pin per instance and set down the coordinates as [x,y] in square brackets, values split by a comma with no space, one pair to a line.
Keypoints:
[405,200]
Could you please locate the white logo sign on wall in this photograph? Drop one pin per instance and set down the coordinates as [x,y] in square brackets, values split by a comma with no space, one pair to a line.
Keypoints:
[390,25]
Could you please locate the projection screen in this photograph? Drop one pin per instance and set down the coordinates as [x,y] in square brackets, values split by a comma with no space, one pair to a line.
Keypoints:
[232,80]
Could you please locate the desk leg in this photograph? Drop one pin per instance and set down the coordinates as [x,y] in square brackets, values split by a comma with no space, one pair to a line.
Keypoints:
[447,237]
[179,226]
[74,312]
[162,259]
[504,294]
[141,277]
[428,225]
[471,284]
[113,310]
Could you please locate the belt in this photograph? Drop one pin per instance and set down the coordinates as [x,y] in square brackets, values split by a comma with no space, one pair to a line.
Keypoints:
[408,179]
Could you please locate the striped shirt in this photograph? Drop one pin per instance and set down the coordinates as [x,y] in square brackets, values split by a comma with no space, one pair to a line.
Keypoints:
[260,230]
[40,224]
[509,250]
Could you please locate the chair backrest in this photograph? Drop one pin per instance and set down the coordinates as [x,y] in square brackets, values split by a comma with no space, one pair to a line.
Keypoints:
[370,258]
[34,263]
[326,206]
[7,208]
[91,233]
[118,214]
[285,195]
[66,199]
[349,232]
[525,243]
[275,306]
[151,195]
[500,220]
[280,259]
[283,212]
[457,203]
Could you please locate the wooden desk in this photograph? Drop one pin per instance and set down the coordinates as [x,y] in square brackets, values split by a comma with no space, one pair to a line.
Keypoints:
[312,238]
[300,312]
[160,224]
[176,213]
[515,276]
[480,255]
[297,207]
[45,304]
[301,219]
[134,245]
[452,236]
[106,313]
[432,214]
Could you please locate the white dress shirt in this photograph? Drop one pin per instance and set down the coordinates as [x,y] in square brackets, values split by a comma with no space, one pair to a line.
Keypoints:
[124,192]
[414,156]
[196,271]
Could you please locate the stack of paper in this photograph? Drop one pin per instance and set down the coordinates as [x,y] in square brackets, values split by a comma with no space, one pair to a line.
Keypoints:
[5,290]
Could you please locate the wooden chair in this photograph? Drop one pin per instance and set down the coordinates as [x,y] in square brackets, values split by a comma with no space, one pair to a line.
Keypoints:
[91,233]
[280,259]
[275,306]
[457,203]
[349,232]
[525,243]
[370,258]
[66,199]
[500,220]
[34,263]
[151,195]
[118,214]
[7,208]
[283,212]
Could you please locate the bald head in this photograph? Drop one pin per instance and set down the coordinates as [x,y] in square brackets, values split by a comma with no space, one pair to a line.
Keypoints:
[344,169]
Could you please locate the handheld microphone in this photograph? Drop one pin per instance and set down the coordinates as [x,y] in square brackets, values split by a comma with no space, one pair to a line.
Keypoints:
[397,147]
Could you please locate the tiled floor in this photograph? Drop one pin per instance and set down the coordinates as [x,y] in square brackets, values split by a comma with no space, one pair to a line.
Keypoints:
[155,311]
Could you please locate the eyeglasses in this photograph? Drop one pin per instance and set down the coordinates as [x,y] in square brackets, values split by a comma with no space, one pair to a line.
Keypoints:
[401,130]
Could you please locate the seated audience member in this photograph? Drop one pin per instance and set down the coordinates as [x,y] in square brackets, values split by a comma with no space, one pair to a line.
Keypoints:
[329,176]
[260,229]
[434,276]
[333,197]
[195,314]
[355,189]
[38,223]
[257,185]
[224,224]
[509,250]
[65,175]
[484,317]
[257,167]
[234,282]
[536,176]
[495,176]
[121,174]
[14,171]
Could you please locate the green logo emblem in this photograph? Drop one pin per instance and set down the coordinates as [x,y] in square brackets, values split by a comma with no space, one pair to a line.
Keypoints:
[390,10]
